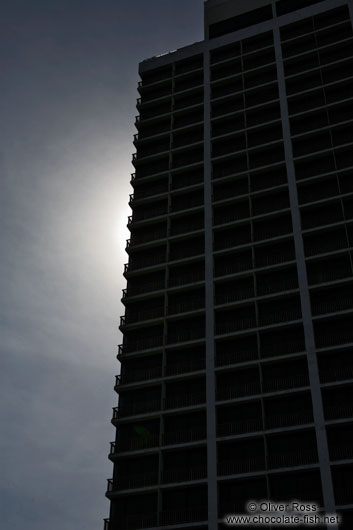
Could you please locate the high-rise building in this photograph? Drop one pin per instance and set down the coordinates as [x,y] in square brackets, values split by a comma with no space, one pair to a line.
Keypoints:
[237,359]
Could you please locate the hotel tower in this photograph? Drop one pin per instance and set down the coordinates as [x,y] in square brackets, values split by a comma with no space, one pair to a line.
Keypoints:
[236,378]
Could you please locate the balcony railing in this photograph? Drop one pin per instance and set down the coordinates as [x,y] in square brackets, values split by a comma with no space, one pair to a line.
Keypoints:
[226,358]
[329,275]
[325,246]
[272,231]
[245,465]
[332,306]
[142,215]
[274,259]
[190,304]
[233,428]
[341,451]
[229,296]
[148,260]
[336,373]
[132,481]
[268,318]
[235,325]
[300,458]
[184,516]
[139,521]
[132,409]
[191,365]
[143,344]
[135,290]
[186,252]
[291,418]
[146,238]
[334,412]
[233,267]
[186,400]
[186,228]
[135,444]
[184,279]
[148,191]
[234,215]
[179,437]
[241,389]
[133,317]
[281,383]
[186,335]
[277,286]
[184,474]
[138,375]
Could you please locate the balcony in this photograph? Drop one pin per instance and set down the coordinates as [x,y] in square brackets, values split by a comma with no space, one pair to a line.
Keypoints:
[184,474]
[185,400]
[191,304]
[132,317]
[302,458]
[186,278]
[337,411]
[134,409]
[143,288]
[132,481]
[134,444]
[155,111]
[224,268]
[184,516]
[292,418]
[332,306]
[276,285]
[336,373]
[138,375]
[186,436]
[184,251]
[269,318]
[266,260]
[142,192]
[232,326]
[142,214]
[240,390]
[182,202]
[140,521]
[234,357]
[341,451]
[271,231]
[147,237]
[191,365]
[147,260]
[236,214]
[324,276]
[229,296]
[143,344]
[106,524]
[245,465]
[184,335]
[323,246]
[141,316]
[241,426]
[283,383]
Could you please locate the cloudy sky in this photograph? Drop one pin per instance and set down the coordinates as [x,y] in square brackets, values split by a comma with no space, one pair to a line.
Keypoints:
[68,76]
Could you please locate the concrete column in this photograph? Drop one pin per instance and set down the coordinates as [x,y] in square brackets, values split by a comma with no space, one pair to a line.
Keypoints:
[325,471]
[210,373]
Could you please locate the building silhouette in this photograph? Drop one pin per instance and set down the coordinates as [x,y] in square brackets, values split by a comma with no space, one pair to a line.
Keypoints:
[237,358]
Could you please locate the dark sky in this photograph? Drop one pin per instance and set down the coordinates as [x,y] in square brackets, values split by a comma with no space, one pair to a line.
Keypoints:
[68,76]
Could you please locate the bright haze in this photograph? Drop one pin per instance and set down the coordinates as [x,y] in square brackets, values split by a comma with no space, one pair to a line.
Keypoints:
[68,72]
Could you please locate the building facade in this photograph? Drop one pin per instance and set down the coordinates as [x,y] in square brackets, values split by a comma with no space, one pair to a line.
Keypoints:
[236,375]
